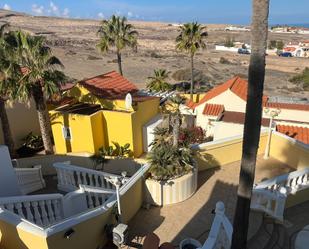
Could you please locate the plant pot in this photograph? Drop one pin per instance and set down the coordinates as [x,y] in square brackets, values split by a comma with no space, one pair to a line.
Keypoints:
[171,191]
[190,244]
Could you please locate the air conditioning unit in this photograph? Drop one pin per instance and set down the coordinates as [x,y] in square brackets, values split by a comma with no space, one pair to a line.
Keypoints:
[120,233]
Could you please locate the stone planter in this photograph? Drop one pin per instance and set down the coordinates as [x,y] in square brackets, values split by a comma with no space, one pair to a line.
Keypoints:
[172,191]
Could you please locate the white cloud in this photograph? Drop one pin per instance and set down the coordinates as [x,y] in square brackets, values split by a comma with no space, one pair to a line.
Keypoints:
[53,8]
[6,7]
[101,15]
[38,10]
[66,12]
[130,14]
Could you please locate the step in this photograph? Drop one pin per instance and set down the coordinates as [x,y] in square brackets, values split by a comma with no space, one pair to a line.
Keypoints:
[262,236]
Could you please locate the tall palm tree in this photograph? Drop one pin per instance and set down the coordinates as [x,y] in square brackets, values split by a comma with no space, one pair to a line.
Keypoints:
[40,79]
[259,33]
[191,39]
[9,73]
[158,82]
[119,34]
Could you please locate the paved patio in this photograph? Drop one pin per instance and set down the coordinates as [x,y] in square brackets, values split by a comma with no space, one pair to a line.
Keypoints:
[193,218]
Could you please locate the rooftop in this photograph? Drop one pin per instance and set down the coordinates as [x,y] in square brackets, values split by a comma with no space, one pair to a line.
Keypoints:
[79,108]
[213,109]
[110,85]
[193,217]
[239,118]
[296,132]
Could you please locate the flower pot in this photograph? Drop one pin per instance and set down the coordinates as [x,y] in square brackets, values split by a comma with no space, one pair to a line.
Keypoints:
[190,244]
[171,191]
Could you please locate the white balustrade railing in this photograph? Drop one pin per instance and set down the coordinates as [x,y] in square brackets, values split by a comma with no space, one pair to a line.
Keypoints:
[272,203]
[30,179]
[70,177]
[220,235]
[270,196]
[96,196]
[293,182]
[42,210]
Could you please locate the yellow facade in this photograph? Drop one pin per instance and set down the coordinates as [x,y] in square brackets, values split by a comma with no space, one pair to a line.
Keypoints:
[216,155]
[114,123]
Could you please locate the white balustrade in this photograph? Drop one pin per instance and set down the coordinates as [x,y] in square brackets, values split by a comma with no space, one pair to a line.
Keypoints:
[30,179]
[270,196]
[220,235]
[43,210]
[70,177]
[96,196]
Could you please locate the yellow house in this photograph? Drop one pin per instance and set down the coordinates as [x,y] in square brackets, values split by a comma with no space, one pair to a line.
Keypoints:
[100,115]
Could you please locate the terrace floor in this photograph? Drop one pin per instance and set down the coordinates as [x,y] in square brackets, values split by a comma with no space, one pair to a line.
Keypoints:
[193,217]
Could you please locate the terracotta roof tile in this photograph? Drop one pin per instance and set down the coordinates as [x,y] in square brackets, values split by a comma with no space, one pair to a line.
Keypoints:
[213,109]
[300,107]
[237,85]
[110,85]
[296,132]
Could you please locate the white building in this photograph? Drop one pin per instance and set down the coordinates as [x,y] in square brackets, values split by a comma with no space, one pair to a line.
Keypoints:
[221,112]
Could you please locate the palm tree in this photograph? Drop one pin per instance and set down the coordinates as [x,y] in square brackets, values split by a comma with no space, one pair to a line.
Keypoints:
[158,82]
[40,79]
[117,33]
[259,33]
[9,72]
[191,39]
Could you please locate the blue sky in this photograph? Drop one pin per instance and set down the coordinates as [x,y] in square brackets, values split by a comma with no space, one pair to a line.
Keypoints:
[206,11]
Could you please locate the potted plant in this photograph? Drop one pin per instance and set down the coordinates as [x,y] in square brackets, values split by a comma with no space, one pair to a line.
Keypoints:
[32,144]
[115,159]
[172,163]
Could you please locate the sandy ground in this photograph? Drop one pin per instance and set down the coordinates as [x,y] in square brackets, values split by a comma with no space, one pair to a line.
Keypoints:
[73,41]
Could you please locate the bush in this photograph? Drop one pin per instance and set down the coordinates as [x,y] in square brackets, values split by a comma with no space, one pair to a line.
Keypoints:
[302,79]
[185,75]
[192,135]
[229,42]
[154,54]
[224,61]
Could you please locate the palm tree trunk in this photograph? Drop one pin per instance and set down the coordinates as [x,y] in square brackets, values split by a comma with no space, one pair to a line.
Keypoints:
[259,32]
[192,77]
[44,120]
[6,130]
[119,62]
[176,128]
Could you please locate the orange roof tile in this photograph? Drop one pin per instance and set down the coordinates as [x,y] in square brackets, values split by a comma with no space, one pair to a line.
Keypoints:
[237,85]
[296,132]
[213,109]
[299,107]
[110,85]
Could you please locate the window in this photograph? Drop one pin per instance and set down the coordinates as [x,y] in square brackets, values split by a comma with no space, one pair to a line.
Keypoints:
[67,134]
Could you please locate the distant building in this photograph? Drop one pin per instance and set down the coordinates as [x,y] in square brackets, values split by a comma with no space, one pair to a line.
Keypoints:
[221,112]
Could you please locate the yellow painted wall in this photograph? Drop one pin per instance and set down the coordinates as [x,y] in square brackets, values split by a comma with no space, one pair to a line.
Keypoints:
[196,97]
[15,238]
[291,153]
[212,156]
[86,132]
[145,112]
[118,128]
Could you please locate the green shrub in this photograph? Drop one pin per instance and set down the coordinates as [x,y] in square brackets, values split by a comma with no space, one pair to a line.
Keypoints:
[302,79]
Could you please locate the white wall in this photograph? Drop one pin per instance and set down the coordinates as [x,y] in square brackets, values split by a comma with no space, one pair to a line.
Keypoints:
[292,115]
[23,120]
[224,130]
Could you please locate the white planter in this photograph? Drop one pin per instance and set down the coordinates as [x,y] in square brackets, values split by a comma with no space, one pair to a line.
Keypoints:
[172,191]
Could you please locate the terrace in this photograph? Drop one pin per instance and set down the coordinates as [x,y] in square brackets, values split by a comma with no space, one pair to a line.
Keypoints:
[219,166]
